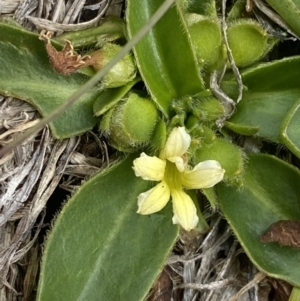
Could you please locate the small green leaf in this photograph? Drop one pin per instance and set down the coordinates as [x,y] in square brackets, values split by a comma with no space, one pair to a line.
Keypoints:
[164,56]
[242,129]
[237,11]
[110,97]
[209,109]
[291,130]
[159,137]
[203,7]
[273,88]
[270,193]
[100,248]
[26,73]
[111,28]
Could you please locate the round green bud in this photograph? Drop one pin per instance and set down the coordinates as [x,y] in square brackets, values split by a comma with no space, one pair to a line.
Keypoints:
[206,38]
[209,109]
[204,134]
[248,42]
[227,154]
[123,72]
[132,122]
[191,122]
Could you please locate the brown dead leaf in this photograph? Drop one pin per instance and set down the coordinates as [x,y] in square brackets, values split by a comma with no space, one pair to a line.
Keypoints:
[284,232]
[65,61]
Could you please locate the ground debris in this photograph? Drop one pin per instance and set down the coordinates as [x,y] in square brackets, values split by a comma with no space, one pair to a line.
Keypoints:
[29,176]
[214,267]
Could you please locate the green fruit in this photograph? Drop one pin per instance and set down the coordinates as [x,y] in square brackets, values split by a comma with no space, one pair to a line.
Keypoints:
[206,38]
[131,123]
[248,42]
[122,73]
[229,156]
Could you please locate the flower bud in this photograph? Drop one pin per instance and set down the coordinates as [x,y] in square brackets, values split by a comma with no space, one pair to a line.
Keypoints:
[209,109]
[123,72]
[206,38]
[248,41]
[227,154]
[201,135]
[131,122]
[204,133]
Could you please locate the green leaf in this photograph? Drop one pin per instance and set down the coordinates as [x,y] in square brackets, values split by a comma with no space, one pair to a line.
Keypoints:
[203,7]
[211,196]
[100,248]
[242,129]
[289,11]
[290,130]
[273,88]
[111,28]
[164,56]
[26,73]
[270,193]
[236,11]
[295,294]
[110,97]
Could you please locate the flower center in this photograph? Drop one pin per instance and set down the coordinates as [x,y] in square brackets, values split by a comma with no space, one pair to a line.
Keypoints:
[172,176]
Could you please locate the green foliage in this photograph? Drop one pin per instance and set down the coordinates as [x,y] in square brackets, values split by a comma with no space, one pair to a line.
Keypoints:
[164,57]
[289,10]
[207,39]
[120,74]
[295,295]
[273,89]
[209,109]
[111,29]
[131,123]
[248,42]
[270,193]
[229,156]
[158,140]
[290,129]
[110,97]
[26,73]
[204,7]
[98,239]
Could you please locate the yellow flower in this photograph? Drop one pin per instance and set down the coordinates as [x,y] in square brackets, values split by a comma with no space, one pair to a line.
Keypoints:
[173,174]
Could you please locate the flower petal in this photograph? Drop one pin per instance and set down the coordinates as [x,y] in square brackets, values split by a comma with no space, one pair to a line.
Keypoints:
[149,168]
[154,199]
[204,175]
[177,143]
[185,212]
[179,162]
